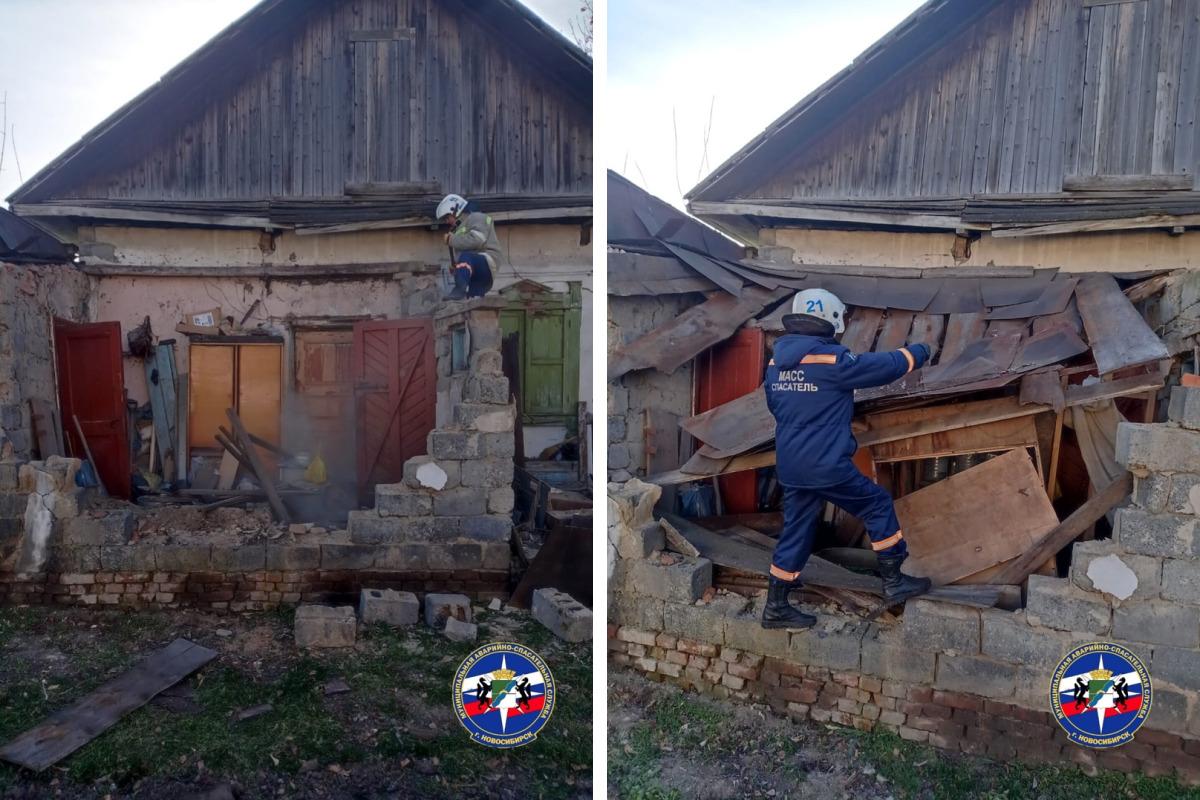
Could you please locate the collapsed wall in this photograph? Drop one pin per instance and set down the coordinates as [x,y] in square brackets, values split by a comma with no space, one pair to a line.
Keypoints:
[31,297]
[628,319]
[956,677]
[446,527]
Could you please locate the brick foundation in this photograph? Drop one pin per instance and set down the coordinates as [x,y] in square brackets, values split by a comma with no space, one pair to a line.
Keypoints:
[950,720]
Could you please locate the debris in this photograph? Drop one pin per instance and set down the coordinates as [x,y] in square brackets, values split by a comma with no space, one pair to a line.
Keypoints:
[388,606]
[1112,575]
[495,605]
[252,712]
[300,527]
[65,731]
[224,632]
[335,687]
[458,631]
[563,615]
[325,626]
[676,541]
[441,607]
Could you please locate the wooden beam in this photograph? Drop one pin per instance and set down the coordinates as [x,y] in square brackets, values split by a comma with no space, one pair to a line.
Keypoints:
[280,271]
[125,214]
[260,469]
[388,35]
[1095,225]
[1128,183]
[393,188]
[1066,532]
[901,219]
[529,215]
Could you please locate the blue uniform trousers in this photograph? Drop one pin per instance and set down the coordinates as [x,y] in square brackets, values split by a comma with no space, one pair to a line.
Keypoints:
[858,496]
[473,274]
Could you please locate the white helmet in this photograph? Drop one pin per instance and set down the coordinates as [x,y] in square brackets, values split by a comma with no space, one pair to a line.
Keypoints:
[451,204]
[822,305]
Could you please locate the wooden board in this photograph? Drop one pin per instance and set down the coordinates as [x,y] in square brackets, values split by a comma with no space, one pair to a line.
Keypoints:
[1118,334]
[227,472]
[973,520]
[260,469]
[67,730]
[47,428]
[987,438]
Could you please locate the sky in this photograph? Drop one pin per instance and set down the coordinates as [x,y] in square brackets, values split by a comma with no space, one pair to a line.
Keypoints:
[674,65]
[66,65]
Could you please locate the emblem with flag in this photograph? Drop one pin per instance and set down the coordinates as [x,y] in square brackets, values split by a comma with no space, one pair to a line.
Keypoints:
[505,696]
[1101,696]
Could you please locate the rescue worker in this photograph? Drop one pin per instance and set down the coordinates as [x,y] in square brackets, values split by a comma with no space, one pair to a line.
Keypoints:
[810,385]
[474,248]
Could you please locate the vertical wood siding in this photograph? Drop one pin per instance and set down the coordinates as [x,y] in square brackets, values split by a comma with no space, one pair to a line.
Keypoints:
[455,103]
[1035,91]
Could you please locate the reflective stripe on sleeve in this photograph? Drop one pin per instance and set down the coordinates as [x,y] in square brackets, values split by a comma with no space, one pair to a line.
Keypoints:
[912,362]
[819,359]
[891,541]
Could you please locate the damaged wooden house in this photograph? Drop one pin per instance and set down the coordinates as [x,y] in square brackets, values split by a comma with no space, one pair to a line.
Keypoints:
[1012,183]
[231,292]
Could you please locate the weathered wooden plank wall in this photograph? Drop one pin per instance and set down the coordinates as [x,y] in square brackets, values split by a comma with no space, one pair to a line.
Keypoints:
[374,91]
[1035,91]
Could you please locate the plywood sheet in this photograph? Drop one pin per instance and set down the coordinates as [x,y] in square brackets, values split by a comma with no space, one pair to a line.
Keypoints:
[976,519]
[67,730]
[988,438]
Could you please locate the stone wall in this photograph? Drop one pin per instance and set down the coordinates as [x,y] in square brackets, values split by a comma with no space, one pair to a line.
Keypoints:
[629,318]
[957,677]
[31,296]
[459,495]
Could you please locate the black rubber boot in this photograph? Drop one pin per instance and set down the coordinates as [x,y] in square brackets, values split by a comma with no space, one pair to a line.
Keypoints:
[898,587]
[779,612]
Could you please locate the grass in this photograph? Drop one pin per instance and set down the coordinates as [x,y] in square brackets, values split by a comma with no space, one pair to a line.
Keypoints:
[691,733]
[398,712]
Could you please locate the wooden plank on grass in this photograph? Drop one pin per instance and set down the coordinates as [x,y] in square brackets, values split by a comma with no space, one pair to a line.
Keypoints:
[973,520]
[67,730]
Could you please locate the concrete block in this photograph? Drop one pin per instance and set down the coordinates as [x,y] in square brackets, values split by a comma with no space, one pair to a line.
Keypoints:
[836,651]
[9,476]
[1153,447]
[461,502]
[76,559]
[495,555]
[430,474]
[465,555]
[484,417]
[975,675]
[940,627]
[1008,636]
[347,556]
[745,632]
[1171,712]
[497,445]
[703,622]
[1156,534]
[325,626]
[1181,580]
[128,558]
[486,389]
[113,528]
[1184,497]
[244,558]
[563,615]
[501,501]
[1059,604]
[896,662]
[1101,566]
[1150,492]
[490,528]
[682,582]
[1157,623]
[1177,666]
[618,456]
[490,473]
[292,558]
[458,631]
[453,445]
[639,612]
[440,607]
[398,500]
[388,606]
[182,557]
[640,541]
[366,526]
[403,557]
[618,400]
[1184,407]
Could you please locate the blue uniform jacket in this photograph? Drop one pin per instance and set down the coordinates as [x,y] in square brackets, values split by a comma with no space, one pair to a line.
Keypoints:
[810,385]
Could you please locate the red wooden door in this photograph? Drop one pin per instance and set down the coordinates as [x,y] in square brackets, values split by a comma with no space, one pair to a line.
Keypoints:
[395,388]
[726,372]
[91,386]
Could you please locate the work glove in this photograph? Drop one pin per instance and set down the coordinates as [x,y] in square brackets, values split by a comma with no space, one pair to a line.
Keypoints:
[920,353]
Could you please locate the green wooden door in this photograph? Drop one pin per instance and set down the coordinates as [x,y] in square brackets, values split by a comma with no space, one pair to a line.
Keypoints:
[549,331]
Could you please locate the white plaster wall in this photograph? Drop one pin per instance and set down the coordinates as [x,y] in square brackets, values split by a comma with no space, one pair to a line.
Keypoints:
[1121,251]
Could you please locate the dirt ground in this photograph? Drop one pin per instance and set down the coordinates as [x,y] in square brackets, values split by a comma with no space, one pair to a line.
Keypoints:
[392,735]
[667,744]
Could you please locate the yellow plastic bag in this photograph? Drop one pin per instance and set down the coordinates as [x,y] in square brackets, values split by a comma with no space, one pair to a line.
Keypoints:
[316,470]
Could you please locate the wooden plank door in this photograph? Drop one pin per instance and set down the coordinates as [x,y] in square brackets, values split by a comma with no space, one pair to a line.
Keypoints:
[91,386]
[726,372]
[395,387]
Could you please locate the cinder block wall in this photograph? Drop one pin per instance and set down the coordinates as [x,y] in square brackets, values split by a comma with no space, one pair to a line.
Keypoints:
[31,296]
[959,678]
[455,503]
[629,318]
